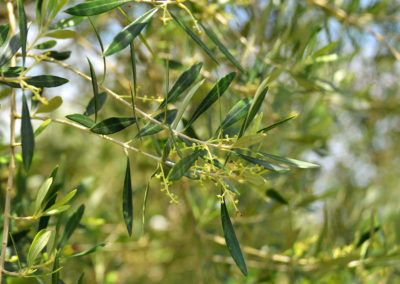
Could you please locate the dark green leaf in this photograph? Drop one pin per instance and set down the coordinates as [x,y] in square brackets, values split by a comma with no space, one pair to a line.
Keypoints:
[112,125]
[101,47]
[95,7]
[262,163]
[182,166]
[59,55]
[221,47]
[81,119]
[55,277]
[9,50]
[62,34]
[153,128]
[23,29]
[4,29]
[71,225]
[89,251]
[231,240]
[27,137]
[367,235]
[272,126]
[11,71]
[290,162]
[95,89]
[255,106]
[68,22]
[46,81]
[184,81]
[273,194]
[80,280]
[52,104]
[46,45]
[194,37]
[126,36]
[237,112]
[213,95]
[127,205]
[90,109]
[49,199]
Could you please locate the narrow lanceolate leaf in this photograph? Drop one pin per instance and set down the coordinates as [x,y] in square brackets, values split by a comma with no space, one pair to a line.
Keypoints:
[4,29]
[184,81]
[81,119]
[289,161]
[46,45]
[101,47]
[237,112]
[95,89]
[213,95]
[42,127]
[95,7]
[231,240]
[9,50]
[112,125]
[146,194]
[262,163]
[61,34]
[27,137]
[52,104]
[272,126]
[127,205]
[273,194]
[60,205]
[125,37]
[57,55]
[39,18]
[55,276]
[182,166]
[68,22]
[38,243]
[23,29]
[44,188]
[90,108]
[71,225]
[80,280]
[153,128]
[89,251]
[46,81]
[194,37]
[222,48]
[11,71]
[255,106]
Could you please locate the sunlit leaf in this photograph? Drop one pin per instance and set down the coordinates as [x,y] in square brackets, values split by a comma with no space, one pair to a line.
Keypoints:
[231,240]
[112,125]
[68,22]
[52,105]
[182,83]
[38,244]
[60,203]
[194,37]
[46,45]
[95,7]
[213,95]
[61,34]
[27,137]
[81,119]
[126,36]
[44,188]
[127,203]
[272,126]
[182,166]
[153,128]
[42,127]
[290,162]
[71,225]
[262,163]
[89,251]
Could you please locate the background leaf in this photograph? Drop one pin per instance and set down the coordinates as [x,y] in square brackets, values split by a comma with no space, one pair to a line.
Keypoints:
[38,244]
[71,226]
[52,104]
[127,203]
[95,89]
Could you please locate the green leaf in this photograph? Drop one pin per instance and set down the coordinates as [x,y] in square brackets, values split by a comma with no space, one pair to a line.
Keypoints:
[273,194]
[46,45]
[95,7]
[23,30]
[11,71]
[44,188]
[61,34]
[55,277]
[95,89]
[184,81]
[46,81]
[153,128]
[71,225]
[272,126]
[101,47]
[127,206]
[80,280]
[222,48]
[27,137]
[237,112]
[52,104]
[182,166]
[89,251]
[262,163]
[146,194]
[38,244]
[290,162]
[126,36]
[42,127]
[112,125]
[194,37]
[255,106]
[68,22]
[90,108]
[4,29]
[81,119]
[60,56]
[39,16]
[60,203]
[56,211]
[9,50]
[213,95]
[231,240]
